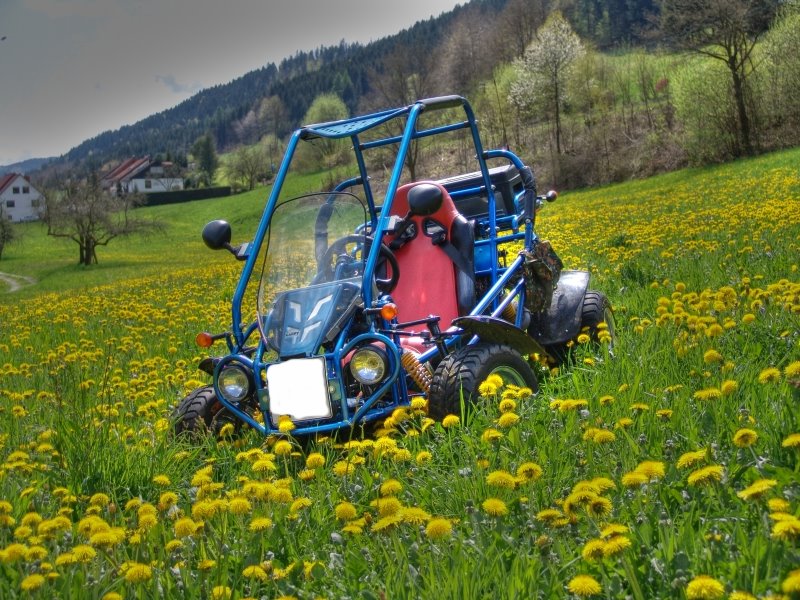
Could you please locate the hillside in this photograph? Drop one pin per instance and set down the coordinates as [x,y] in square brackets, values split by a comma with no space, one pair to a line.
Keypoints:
[501,27]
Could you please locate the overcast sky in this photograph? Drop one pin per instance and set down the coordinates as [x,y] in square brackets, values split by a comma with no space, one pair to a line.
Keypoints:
[70,69]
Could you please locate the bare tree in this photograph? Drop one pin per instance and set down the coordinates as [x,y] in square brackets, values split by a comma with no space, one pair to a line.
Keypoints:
[84,213]
[725,30]
[406,76]
[7,233]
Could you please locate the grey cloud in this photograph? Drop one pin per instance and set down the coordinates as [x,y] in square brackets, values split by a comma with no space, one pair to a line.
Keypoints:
[179,88]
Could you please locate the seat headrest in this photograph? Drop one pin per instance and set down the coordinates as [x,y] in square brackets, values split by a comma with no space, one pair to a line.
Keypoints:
[424,199]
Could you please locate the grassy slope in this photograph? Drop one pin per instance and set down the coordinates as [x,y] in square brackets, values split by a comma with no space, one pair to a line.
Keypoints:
[702,267]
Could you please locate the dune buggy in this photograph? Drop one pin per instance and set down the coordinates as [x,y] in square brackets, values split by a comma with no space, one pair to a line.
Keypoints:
[365,301]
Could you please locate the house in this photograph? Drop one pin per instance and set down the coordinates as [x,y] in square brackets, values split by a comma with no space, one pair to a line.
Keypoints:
[19,200]
[144,176]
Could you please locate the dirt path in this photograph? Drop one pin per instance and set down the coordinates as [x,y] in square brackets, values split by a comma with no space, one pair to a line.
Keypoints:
[15,282]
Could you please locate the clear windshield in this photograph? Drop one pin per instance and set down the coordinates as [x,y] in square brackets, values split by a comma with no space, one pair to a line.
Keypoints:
[312,240]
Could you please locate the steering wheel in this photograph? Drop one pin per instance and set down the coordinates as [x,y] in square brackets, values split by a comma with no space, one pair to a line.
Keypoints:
[337,256]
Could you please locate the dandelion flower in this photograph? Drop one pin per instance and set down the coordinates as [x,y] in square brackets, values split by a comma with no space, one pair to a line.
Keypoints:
[615,545]
[221,592]
[791,441]
[508,419]
[792,370]
[491,435]
[424,457]
[584,586]
[786,529]
[502,479]
[757,489]
[345,511]
[728,387]
[707,394]
[255,572]
[487,388]
[593,550]
[507,405]
[342,468]
[391,487]
[83,553]
[450,421]
[791,585]
[386,523]
[704,587]
[634,479]
[706,475]
[161,480]
[240,506]
[495,507]
[653,469]
[438,528]
[689,459]
[744,438]
[529,471]
[741,596]
[778,505]
[712,356]
[315,460]
[32,582]
[769,375]
[260,524]
[138,573]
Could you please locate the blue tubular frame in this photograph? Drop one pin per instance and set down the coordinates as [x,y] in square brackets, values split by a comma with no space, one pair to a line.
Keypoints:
[393,389]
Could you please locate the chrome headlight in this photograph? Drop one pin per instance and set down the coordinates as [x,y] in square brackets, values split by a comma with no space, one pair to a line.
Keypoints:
[234,383]
[368,365]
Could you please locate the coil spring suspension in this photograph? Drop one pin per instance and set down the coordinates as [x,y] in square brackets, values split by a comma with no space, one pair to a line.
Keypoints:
[416,370]
[510,312]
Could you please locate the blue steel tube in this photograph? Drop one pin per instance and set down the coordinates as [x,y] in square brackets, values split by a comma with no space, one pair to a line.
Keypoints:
[258,239]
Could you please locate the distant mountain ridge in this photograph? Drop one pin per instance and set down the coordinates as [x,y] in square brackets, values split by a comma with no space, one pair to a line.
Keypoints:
[25,166]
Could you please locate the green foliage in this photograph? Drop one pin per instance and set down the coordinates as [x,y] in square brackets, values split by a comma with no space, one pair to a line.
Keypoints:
[205,155]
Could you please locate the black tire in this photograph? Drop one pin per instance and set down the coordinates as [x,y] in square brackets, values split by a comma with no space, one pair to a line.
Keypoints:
[596,309]
[199,412]
[460,373]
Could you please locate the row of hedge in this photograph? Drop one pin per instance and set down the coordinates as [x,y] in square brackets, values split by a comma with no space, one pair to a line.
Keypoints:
[176,197]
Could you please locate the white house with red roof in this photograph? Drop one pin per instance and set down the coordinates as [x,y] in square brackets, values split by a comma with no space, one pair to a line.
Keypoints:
[19,200]
[144,176]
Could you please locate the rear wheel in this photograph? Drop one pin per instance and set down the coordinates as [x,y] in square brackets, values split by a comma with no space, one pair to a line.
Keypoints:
[460,374]
[201,411]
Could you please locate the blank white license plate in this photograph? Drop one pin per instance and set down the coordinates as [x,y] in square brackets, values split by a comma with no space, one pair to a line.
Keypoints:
[299,388]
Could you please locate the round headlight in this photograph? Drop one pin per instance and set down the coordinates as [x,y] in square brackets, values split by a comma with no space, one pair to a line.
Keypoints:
[234,384]
[368,365]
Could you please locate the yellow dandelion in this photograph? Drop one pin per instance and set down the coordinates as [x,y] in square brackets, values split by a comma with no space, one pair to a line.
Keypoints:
[508,419]
[99,499]
[786,529]
[584,586]
[221,592]
[207,564]
[239,506]
[414,515]
[32,582]
[593,550]
[345,511]
[161,480]
[501,479]
[300,504]
[83,553]
[791,441]
[792,370]
[689,459]
[712,356]
[315,460]
[386,523]
[791,585]
[282,448]
[138,573]
[704,587]
[342,468]
[491,435]
[438,528]
[615,545]
[707,394]
[260,524]
[706,475]
[769,375]
[487,388]
[529,471]
[450,421]
[634,479]
[391,487]
[495,507]
[778,505]
[423,457]
[664,414]
[606,400]
[255,572]
[653,469]
[757,489]
[728,387]
[507,405]
[739,595]
[744,438]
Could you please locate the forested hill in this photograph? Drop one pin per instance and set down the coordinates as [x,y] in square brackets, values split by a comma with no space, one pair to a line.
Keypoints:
[252,105]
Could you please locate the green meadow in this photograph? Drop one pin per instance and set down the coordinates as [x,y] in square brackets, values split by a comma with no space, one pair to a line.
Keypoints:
[667,466]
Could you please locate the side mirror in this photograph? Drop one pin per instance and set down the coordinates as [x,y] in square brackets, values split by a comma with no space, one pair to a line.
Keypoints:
[551,196]
[217,235]
[424,199]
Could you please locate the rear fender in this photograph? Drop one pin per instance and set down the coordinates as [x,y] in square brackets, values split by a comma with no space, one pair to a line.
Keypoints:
[498,331]
[562,321]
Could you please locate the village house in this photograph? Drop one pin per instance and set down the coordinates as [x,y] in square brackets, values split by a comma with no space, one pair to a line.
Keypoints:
[144,176]
[19,200]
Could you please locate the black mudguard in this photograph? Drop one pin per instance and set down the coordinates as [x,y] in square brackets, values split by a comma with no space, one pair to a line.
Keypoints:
[490,329]
[562,321]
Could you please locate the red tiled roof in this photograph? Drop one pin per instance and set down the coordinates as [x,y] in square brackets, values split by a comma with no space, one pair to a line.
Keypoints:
[6,180]
[127,169]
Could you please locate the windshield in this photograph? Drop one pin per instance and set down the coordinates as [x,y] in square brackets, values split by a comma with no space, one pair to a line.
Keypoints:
[312,240]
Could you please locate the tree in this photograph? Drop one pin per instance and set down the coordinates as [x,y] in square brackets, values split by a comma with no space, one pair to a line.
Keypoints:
[543,72]
[206,159]
[83,212]
[247,165]
[725,30]
[7,233]
[323,152]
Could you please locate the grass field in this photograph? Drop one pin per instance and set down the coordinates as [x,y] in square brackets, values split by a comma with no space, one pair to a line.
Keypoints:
[668,470]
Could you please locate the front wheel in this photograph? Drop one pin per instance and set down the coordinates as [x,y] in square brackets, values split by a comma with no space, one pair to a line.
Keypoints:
[202,411]
[457,378]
